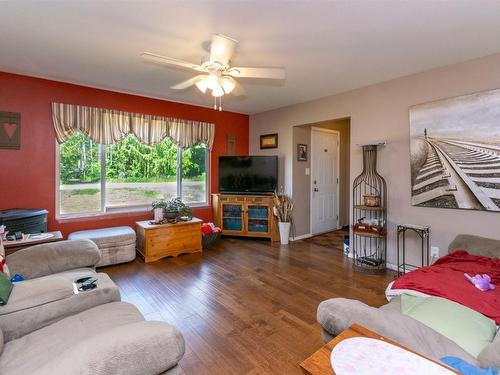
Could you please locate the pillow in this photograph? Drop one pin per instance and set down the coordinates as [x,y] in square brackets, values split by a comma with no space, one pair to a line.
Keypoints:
[3,266]
[5,288]
[469,329]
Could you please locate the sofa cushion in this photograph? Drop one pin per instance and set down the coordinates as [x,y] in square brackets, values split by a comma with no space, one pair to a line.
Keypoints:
[52,306]
[31,293]
[467,328]
[337,314]
[108,339]
[490,355]
[49,258]
[476,245]
[77,273]
[28,353]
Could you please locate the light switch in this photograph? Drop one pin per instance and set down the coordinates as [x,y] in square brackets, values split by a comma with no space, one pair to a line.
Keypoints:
[308,171]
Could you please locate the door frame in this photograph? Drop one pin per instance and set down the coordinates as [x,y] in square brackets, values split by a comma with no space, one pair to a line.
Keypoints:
[337,198]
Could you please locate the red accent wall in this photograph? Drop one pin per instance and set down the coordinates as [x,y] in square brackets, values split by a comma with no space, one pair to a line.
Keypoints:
[27,176]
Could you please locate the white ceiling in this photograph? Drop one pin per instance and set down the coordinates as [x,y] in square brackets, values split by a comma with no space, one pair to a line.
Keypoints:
[326,46]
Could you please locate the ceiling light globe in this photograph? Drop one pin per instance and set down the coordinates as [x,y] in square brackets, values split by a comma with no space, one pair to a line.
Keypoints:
[212,81]
[228,85]
[202,85]
[217,91]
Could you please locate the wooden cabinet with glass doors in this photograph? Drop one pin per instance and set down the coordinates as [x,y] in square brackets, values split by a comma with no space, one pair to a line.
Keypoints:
[245,215]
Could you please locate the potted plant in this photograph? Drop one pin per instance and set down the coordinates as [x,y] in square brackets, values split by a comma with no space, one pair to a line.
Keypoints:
[158,208]
[282,209]
[175,208]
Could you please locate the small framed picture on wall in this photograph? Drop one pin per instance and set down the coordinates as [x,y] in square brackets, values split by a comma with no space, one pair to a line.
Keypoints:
[269,141]
[301,152]
[10,130]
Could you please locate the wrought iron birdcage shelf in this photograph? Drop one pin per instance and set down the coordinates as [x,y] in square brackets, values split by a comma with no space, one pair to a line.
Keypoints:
[369,217]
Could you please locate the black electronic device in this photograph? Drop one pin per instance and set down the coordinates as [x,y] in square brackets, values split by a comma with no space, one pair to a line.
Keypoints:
[82,280]
[88,284]
[248,174]
[24,220]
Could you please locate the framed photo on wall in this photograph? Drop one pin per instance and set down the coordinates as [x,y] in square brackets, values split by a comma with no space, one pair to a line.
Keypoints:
[462,135]
[301,152]
[269,141]
[10,130]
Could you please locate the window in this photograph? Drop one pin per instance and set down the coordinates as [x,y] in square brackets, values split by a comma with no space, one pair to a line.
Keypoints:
[97,178]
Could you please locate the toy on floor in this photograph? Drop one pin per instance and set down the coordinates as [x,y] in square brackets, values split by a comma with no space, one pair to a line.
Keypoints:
[483,283]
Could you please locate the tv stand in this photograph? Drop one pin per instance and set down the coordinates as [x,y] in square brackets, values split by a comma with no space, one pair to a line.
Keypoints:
[245,215]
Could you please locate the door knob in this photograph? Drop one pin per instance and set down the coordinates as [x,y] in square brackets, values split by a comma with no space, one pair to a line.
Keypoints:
[315,189]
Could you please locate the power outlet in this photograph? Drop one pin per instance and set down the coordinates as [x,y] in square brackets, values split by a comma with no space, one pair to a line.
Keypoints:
[434,253]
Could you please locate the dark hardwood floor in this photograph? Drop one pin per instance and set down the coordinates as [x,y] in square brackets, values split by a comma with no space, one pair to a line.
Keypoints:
[245,307]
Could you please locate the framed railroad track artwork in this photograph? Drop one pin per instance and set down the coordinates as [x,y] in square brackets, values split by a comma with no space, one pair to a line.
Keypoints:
[455,152]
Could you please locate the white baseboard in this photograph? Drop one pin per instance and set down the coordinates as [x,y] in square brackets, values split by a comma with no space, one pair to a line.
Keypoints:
[391,266]
[301,237]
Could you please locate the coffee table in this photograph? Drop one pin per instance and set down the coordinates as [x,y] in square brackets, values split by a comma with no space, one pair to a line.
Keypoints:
[319,362]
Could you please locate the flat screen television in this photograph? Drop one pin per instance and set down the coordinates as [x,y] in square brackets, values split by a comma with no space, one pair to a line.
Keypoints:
[248,174]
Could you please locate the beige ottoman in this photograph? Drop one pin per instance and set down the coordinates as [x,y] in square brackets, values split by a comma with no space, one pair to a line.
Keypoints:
[117,244]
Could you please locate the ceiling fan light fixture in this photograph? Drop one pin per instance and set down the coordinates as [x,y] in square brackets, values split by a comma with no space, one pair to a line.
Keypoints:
[212,81]
[228,85]
[202,85]
[217,91]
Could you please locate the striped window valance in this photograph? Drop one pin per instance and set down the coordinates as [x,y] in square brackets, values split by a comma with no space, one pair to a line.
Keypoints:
[106,126]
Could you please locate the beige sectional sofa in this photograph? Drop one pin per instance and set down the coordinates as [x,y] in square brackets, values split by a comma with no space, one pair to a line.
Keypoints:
[48,327]
[337,314]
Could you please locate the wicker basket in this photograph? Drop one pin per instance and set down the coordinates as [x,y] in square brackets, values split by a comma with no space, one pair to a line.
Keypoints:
[370,229]
[208,240]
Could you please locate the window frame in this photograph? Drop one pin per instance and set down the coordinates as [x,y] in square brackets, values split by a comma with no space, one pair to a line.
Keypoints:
[105,211]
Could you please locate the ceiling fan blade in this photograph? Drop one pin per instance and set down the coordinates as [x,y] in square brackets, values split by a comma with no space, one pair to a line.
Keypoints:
[169,61]
[222,48]
[187,83]
[267,73]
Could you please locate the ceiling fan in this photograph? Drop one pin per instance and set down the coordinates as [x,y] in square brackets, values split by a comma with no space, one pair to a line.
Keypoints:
[216,72]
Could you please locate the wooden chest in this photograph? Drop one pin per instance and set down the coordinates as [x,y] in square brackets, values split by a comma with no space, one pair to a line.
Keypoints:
[158,241]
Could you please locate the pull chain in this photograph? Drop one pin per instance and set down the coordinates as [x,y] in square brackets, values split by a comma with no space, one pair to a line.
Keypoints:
[220,103]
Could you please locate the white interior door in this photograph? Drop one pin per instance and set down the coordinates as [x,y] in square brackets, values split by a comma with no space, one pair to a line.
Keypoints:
[324,180]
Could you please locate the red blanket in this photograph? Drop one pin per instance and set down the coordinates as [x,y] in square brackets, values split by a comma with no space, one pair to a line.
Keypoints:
[445,278]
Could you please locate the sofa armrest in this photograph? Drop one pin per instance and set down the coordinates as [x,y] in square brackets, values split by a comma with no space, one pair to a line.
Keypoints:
[146,347]
[46,259]
[337,314]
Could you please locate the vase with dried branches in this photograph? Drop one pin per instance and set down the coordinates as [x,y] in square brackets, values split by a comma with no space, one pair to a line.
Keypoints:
[282,209]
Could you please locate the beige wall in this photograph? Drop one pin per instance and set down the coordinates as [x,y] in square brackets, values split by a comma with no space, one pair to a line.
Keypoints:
[301,184]
[380,112]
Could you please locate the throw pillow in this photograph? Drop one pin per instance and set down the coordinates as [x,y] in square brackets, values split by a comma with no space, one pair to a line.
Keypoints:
[467,328]
[5,288]
[3,264]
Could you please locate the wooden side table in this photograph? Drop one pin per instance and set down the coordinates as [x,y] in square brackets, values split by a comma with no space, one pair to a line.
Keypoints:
[13,246]
[156,241]
[319,362]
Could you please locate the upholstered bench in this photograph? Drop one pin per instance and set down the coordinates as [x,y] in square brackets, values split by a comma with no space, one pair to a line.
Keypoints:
[117,244]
